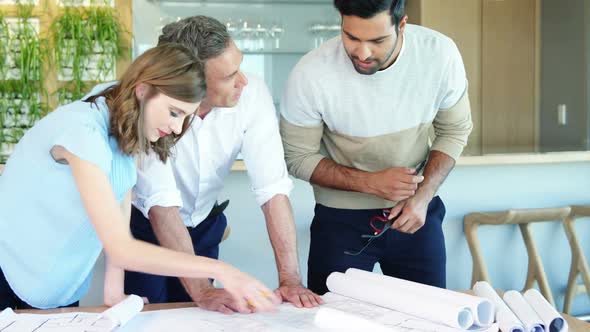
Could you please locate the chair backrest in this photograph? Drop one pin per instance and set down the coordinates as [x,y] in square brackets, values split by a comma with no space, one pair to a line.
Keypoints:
[579,263]
[522,217]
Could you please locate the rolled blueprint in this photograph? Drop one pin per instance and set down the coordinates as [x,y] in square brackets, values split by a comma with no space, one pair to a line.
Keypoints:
[481,308]
[122,312]
[6,318]
[553,321]
[400,299]
[337,320]
[507,320]
[529,318]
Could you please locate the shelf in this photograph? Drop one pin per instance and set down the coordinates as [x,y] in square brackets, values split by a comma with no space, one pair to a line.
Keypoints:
[525,158]
[277,52]
[204,2]
[490,160]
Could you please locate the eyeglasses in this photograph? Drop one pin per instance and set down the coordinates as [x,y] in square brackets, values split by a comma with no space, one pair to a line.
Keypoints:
[385,221]
[374,223]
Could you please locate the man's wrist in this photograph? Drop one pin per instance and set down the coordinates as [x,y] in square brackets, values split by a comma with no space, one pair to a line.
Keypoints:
[289,279]
[425,194]
[364,183]
[196,287]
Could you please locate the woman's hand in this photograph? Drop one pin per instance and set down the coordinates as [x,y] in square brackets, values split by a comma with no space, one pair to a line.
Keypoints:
[247,290]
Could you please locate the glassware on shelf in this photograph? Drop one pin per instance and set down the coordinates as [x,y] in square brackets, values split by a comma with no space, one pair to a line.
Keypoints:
[232,27]
[257,36]
[246,34]
[276,31]
[254,36]
[323,31]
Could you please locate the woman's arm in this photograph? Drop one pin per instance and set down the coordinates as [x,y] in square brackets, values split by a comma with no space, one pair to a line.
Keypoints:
[127,253]
[114,276]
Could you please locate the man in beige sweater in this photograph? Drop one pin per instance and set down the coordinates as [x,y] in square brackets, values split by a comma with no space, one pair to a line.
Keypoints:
[356,118]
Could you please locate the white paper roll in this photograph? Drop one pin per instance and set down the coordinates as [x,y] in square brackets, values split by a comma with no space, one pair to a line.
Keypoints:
[400,299]
[123,311]
[481,307]
[507,321]
[553,321]
[529,318]
[337,320]
[6,318]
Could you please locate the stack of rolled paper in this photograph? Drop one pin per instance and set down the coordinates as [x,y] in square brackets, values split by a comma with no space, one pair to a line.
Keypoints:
[442,306]
[518,313]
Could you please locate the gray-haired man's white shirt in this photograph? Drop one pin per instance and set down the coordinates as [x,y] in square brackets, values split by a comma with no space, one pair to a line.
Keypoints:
[193,178]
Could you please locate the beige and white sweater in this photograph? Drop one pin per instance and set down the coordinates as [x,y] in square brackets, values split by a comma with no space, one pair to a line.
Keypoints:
[372,122]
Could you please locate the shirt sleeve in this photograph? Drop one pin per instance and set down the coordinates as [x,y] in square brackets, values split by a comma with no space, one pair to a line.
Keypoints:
[88,143]
[262,149]
[454,81]
[452,123]
[155,185]
[302,125]
[452,128]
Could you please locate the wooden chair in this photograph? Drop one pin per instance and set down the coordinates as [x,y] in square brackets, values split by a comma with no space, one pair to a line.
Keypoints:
[579,262]
[523,218]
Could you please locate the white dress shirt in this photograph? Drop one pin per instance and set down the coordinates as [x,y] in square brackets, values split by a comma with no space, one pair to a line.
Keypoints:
[193,177]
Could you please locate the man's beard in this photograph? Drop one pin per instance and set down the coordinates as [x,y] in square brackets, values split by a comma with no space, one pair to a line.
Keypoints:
[378,63]
[366,71]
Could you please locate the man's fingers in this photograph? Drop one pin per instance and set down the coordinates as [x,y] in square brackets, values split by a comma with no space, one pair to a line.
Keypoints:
[239,306]
[278,298]
[412,178]
[225,310]
[296,301]
[407,226]
[396,210]
[400,221]
[306,301]
[399,186]
[317,298]
[401,195]
[416,228]
[312,299]
[410,171]
[409,178]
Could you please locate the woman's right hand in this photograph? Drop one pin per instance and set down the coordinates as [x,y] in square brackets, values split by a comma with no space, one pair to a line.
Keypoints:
[247,290]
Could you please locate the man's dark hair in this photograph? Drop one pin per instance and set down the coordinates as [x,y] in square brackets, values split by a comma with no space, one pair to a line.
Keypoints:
[204,35]
[370,8]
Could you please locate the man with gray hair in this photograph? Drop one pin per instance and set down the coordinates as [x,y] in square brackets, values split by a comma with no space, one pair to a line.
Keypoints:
[175,203]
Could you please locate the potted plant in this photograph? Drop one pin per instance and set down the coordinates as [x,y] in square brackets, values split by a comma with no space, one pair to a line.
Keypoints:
[21,84]
[87,45]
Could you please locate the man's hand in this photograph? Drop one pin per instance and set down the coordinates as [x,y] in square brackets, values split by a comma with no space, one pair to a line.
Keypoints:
[394,184]
[218,299]
[413,213]
[298,295]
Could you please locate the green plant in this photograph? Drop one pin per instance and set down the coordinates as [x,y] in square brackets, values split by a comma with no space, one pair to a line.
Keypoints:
[87,43]
[107,37]
[4,41]
[29,53]
[22,92]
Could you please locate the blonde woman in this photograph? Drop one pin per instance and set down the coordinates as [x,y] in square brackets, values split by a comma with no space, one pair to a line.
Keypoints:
[65,191]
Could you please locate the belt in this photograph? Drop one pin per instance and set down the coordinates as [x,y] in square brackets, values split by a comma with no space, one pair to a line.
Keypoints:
[217,209]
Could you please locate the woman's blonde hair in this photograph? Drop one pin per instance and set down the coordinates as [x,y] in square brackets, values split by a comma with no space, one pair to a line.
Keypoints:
[170,69]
